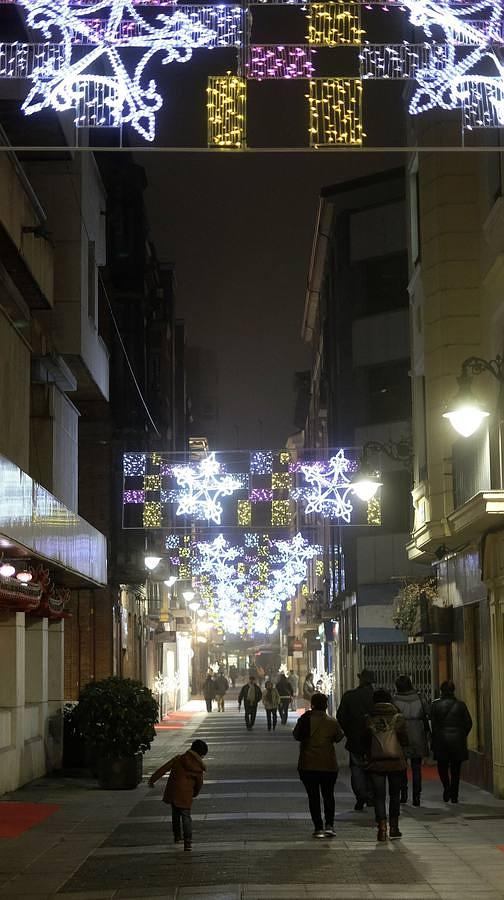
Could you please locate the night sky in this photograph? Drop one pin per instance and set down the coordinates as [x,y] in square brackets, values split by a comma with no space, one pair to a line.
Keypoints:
[239,230]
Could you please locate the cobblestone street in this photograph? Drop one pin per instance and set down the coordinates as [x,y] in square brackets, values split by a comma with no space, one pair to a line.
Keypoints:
[252,832]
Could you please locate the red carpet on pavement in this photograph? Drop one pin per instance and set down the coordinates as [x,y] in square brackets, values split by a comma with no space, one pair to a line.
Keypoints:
[16,818]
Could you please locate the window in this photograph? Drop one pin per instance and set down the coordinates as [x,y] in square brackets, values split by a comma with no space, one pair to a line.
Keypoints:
[381,284]
[388,395]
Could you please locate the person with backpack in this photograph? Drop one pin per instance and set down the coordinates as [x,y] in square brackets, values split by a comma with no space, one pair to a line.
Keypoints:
[184,784]
[451,723]
[415,710]
[271,701]
[318,766]
[385,740]
[221,686]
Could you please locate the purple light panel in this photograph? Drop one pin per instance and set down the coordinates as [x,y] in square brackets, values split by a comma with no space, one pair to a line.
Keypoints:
[285,61]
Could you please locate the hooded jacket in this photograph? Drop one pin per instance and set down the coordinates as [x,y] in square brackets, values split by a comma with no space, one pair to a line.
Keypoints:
[318,733]
[185,781]
[416,711]
[351,715]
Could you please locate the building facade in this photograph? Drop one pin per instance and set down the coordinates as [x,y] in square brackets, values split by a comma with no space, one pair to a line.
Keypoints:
[456,244]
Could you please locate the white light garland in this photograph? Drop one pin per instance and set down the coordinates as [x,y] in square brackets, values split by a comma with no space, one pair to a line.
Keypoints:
[63,81]
[204,485]
[331,488]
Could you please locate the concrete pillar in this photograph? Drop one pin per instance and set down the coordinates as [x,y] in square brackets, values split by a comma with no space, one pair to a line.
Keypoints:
[12,697]
[36,661]
[497,682]
[55,694]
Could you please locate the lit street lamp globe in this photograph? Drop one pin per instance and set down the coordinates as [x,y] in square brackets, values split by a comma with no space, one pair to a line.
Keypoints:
[151,562]
[466,418]
[366,485]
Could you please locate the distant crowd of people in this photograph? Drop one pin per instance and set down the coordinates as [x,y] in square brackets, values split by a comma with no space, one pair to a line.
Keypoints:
[384,732]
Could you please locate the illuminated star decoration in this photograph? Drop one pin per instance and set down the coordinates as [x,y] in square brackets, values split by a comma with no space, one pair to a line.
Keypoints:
[204,485]
[330,488]
[245,593]
[67,80]
[471,73]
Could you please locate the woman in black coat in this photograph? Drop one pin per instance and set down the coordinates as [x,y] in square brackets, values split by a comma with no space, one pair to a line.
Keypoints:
[451,723]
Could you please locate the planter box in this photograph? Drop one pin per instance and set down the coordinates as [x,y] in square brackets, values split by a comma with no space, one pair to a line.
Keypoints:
[120,774]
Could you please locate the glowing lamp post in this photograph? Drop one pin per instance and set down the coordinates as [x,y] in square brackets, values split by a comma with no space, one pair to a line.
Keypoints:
[466,413]
[366,482]
[151,562]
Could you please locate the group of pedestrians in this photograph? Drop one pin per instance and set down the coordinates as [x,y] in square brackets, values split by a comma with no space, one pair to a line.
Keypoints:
[276,700]
[382,733]
[215,688]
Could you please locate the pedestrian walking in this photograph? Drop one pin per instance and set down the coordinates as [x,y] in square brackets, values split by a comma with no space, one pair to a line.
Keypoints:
[415,710]
[386,738]
[183,785]
[355,705]
[293,680]
[233,672]
[221,686]
[451,723]
[209,691]
[308,687]
[271,701]
[250,695]
[317,765]
[285,693]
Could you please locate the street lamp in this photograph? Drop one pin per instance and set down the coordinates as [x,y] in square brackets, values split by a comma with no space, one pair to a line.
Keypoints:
[366,481]
[194,606]
[170,581]
[466,413]
[151,562]
[188,596]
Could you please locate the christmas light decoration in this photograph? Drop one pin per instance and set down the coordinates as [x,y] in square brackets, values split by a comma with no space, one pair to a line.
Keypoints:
[281,481]
[63,79]
[152,482]
[335,106]
[204,486]
[335,23]
[261,495]
[244,513]
[152,515]
[330,490]
[284,457]
[374,511]
[134,464]
[226,111]
[134,497]
[397,61]
[261,462]
[270,61]
[280,513]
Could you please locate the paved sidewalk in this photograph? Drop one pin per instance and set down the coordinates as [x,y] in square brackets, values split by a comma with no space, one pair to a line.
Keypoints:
[64,838]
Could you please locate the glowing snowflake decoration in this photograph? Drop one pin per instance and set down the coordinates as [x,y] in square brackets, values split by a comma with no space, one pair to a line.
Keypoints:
[329,488]
[67,80]
[471,73]
[204,486]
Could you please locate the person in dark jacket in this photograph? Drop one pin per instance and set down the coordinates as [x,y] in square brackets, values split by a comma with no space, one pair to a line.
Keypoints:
[183,785]
[250,695]
[451,723]
[415,710]
[285,692]
[209,691]
[385,739]
[317,766]
[354,707]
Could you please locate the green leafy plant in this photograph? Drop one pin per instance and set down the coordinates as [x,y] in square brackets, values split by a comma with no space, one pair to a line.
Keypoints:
[116,717]
[407,602]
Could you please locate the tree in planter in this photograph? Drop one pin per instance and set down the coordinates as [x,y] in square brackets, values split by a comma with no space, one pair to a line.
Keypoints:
[116,716]
[407,609]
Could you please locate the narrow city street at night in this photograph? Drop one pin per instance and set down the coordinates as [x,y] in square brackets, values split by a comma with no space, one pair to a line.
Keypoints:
[252,833]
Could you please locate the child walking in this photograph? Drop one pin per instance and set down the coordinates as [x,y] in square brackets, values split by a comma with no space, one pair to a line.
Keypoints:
[183,785]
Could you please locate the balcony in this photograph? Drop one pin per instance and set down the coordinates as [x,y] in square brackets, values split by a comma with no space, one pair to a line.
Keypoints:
[25,251]
[38,522]
[471,467]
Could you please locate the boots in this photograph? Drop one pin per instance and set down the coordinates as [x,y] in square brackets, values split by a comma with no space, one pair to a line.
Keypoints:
[382,830]
[394,829]
[187,845]
[416,799]
[404,795]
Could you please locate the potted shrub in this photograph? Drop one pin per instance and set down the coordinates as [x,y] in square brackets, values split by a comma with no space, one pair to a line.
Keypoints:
[116,717]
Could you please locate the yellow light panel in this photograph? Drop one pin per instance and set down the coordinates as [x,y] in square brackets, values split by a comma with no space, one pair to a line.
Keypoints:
[152,515]
[334,24]
[335,112]
[281,481]
[226,109]
[374,511]
[285,457]
[319,568]
[244,512]
[152,482]
[280,513]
